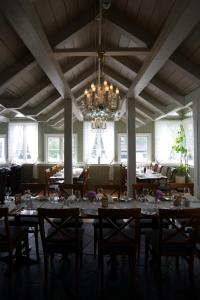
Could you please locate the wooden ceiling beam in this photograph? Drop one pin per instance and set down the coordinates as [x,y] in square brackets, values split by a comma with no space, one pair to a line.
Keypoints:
[8,75]
[159,84]
[32,34]
[126,83]
[27,63]
[184,16]
[46,117]
[145,39]
[73,52]
[19,103]
[83,78]
[57,119]
[36,110]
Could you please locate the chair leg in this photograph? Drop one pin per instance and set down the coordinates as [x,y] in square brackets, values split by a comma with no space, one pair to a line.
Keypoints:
[146,251]
[191,268]
[102,273]
[36,241]
[139,242]
[45,272]
[77,272]
[95,241]
[11,265]
[27,246]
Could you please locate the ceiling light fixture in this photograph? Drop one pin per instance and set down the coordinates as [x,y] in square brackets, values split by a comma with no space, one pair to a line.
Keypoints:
[101,97]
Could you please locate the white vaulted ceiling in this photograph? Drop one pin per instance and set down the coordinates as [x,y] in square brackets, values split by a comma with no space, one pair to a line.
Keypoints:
[48,53]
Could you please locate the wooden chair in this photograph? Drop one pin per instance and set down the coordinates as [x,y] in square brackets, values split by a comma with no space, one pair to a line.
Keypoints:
[138,188]
[179,187]
[36,188]
[66,189]
[146,222]
[109,190]
[177,240]
[59,238]
[165,170]
[32,223]
[123,177]
[11,237]
[118,239]
[173,175]
[51,184]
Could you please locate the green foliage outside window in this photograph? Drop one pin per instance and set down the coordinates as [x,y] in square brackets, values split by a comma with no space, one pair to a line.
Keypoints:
[179,147]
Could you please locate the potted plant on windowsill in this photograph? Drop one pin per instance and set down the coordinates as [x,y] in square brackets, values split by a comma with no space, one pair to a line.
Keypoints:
[180,148]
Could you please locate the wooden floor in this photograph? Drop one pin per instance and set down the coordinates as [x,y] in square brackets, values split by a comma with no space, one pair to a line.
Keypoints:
[28,279]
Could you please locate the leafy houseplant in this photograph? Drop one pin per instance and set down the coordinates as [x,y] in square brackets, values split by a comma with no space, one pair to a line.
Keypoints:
[180,147]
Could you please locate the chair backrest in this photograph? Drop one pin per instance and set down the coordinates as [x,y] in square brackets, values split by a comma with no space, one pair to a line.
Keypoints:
[54,232]
[48,180]
[123,177]
[4,229]
[165,170]
[67,189]
[159,168]
[173,175]
[138,188]
[183,227]
[179,187]
[123,228]
[35,188]
[109,189]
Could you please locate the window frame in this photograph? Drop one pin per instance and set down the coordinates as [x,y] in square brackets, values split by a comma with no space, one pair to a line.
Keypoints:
[4,136]
[23,160]
[149,145]
[98,160]
[60,135]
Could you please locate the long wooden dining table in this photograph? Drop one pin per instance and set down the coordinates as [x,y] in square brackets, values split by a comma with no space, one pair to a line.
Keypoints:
[89,209]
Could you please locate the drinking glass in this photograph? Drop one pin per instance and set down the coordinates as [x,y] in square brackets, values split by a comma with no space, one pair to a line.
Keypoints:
[8,193]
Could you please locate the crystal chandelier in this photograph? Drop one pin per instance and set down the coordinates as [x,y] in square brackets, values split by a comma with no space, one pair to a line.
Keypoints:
[98,123]
[101,97]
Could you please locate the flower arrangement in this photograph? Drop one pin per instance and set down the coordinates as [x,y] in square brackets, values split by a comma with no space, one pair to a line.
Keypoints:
[158,194]
[91,194]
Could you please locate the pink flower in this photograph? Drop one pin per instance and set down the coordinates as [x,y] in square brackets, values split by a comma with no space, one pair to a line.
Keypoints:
[159,194]
[91,194]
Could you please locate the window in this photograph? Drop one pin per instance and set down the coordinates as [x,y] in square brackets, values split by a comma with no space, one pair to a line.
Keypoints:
[54,144]
[98,144]
[2,148]
[165,134]
[23,142]
[143,147]
[188,126]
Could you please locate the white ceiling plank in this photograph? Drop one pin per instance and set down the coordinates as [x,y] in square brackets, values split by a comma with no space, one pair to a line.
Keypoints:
[192,96]
[19,103]
[145,39]
[126,83]
[183,18]
[28,62]
[35,111]
[159,84]
[46,117]
[31,32]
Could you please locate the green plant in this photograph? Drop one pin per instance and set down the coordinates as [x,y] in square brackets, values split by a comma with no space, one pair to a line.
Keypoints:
[179,146]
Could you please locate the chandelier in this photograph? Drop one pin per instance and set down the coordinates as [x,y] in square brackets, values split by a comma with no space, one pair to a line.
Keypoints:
[102,96]
[99,123]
